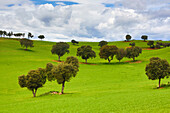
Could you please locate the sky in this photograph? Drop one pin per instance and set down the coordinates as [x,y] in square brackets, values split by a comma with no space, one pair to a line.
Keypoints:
[87,20]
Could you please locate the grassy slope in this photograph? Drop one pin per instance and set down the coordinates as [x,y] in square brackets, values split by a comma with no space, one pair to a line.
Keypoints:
[115,87]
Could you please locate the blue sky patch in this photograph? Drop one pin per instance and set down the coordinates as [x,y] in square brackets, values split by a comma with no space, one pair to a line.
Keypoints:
[54,3]
[109,5]
[10,5]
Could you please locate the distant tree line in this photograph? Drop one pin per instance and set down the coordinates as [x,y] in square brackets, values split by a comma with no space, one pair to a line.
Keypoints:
[18,35]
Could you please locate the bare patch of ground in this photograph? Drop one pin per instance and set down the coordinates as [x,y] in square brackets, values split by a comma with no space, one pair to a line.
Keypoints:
[79,62]
[149,48]
[131,62]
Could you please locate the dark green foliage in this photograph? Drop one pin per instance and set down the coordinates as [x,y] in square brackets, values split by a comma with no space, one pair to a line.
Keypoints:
[144,37]
[18,34]
[132,44]
[74,42]
[41,37]
[120,54]
[102,43]
[128,37]
[60,49]
[48,69]
[34,80]
[22,81]
[72,60]
[151,44]
[158,46]
[63,73]
[30,35]
[1,33]
[133,52]
[86,52]
[10,34]
[107,52]
[157,69]
[26,43]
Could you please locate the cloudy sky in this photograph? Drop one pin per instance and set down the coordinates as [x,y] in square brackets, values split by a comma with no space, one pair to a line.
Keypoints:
[87,20]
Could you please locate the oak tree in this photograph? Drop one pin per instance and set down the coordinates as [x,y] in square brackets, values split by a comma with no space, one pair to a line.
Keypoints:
[86,52]
[157,69]
[60,49]
[133,52]
[107,52]
[33,80]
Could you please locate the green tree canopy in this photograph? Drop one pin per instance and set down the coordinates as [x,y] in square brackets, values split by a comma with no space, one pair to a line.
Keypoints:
[74,42]
[157,69]
[63,73]
[144,37]
[132,44]
[26,43]
[151,44]
[33,80]
[30,35]
[60,49]
[133,52]
[120,54]
[102,43]
[107,52]
[86,52]
[48,69]
[72,60]
[128,37]
[41,37]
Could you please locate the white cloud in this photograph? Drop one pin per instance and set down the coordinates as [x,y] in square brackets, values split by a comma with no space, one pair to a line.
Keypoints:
[87,21]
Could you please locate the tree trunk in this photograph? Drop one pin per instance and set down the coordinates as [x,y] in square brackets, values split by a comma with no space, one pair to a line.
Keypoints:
[144,40]
[133,58]
[62,91]
[33,93]
[58,58]
[109,60]
[119,61]
[86,60]
[159,82]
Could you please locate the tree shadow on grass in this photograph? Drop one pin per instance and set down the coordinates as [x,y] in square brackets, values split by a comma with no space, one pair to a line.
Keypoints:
[53,93]
[113,63]
[29,50]
[163,86]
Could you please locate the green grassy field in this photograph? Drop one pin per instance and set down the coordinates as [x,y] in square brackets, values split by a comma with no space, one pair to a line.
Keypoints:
[101,88]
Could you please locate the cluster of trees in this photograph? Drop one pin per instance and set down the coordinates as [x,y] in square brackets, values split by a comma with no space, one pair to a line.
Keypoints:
[61,73]
[107,52]
[9,34]
[157,69]
[158,44]
[143,37]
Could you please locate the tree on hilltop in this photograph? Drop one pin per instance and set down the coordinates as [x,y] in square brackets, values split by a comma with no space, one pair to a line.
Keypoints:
[30,35]
[128,37]
[144,37]
[74,42]
[41,37]
[86,52]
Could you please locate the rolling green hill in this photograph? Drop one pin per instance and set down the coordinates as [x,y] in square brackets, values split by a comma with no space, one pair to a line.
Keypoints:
[101,88]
